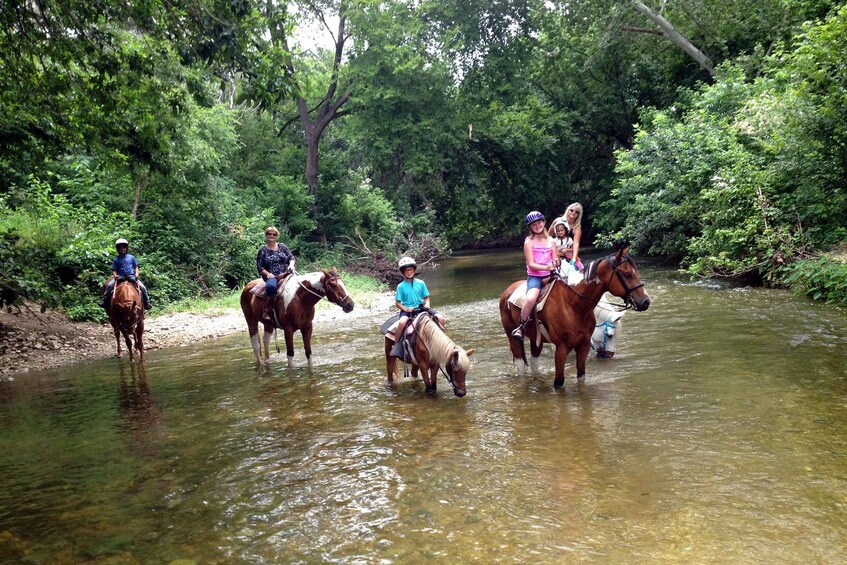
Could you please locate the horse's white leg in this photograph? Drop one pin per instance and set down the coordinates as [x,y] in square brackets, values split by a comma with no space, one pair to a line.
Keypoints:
[521,366]
[266,341]
[289,346]
[534,363]
[257,351]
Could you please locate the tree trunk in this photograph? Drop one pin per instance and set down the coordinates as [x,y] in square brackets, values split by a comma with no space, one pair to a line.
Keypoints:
[139,185]
[670,32]
[312,154]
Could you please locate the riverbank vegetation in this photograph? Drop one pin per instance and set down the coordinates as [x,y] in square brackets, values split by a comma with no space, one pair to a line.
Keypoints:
[709,131]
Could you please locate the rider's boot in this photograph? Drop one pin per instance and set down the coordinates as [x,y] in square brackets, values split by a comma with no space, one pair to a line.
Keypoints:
[267,314]
[517,333]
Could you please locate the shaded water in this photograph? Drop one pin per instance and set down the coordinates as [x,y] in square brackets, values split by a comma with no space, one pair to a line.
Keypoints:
[716,434]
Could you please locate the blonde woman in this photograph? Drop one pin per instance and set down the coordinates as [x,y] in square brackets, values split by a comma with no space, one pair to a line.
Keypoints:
[568,239]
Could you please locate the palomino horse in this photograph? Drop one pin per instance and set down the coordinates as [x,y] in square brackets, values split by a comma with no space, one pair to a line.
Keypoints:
[567,318]
[126,314]
[432,349]
[295,309]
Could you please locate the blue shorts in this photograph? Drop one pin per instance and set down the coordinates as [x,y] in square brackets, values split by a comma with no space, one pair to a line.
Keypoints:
[534,282]
[404,314]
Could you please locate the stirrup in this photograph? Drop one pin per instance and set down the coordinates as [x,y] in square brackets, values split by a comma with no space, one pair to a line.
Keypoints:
[517,333]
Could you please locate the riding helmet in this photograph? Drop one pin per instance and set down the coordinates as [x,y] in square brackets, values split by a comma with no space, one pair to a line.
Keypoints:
[534,216]
[406,262]
[121,241]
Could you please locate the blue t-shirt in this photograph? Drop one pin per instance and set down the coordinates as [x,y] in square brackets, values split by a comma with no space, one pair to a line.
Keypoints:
[125,265]
[411,294]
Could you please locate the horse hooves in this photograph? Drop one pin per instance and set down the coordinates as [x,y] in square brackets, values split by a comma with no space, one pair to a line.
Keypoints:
[431,390]
[559,382]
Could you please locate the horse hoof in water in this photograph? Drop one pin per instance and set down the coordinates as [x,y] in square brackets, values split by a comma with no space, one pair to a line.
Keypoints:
[559,382]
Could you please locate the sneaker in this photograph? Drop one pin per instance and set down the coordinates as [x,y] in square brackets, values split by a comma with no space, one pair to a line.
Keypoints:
[517,333]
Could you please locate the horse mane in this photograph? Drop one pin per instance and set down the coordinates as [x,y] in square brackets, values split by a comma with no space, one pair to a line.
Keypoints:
[440,346]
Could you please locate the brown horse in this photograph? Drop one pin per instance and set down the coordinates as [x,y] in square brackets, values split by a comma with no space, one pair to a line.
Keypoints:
[568,314]
[295,309]
[433,350]
[126,314]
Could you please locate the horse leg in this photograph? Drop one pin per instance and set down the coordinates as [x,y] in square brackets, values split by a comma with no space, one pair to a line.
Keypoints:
[266,343]
[433,379]
[390,361]
[139,343]
[582,351]
[428,376]
[256,345]
[306,334]
[561,354]
[289,346]
[118,340]
[535,355]
[128,345]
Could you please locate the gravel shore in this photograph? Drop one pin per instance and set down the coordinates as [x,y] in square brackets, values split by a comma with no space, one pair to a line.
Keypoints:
[33,341]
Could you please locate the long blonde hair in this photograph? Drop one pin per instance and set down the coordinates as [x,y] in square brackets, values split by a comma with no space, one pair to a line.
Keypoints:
[578,222]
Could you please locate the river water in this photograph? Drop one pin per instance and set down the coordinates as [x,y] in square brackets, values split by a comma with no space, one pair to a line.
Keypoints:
[717,434]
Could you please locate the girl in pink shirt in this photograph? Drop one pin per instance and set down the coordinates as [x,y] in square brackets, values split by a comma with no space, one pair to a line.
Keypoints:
[539,249]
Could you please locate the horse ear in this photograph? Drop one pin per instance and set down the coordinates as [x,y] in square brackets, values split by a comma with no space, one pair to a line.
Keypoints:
[469,352]
[334,270]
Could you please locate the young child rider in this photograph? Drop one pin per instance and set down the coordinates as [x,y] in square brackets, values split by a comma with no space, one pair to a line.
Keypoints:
[539,250]
[125,267]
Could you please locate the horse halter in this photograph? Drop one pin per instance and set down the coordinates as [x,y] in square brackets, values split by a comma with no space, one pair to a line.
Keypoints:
[324,295]
[628,290]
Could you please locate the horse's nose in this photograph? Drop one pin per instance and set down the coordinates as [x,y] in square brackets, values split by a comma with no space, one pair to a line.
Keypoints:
[348,307]
[643,305]
[460,392]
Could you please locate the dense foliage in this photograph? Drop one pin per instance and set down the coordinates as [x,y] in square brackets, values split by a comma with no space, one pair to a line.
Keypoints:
[187,128]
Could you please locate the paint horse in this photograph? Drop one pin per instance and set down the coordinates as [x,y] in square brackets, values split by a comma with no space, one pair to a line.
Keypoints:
[294,309]
[567,318]
[430,350]
[126,314]
[606,329]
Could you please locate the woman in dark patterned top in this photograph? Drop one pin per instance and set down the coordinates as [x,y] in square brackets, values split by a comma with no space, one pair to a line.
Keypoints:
[273,259]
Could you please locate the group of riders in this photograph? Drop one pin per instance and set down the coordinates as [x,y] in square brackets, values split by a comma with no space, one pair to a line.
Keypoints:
[544,250]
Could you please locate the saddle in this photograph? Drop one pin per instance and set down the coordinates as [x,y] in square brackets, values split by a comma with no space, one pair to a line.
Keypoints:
[259,289]
[405,345]
[518,298]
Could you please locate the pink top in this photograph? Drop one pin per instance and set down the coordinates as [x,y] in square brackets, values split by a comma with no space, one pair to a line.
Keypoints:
[541,254]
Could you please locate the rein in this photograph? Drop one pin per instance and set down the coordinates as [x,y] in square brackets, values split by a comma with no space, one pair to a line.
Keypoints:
[324,295]
[628,291]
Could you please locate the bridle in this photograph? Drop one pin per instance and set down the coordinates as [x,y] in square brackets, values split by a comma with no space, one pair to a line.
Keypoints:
[628,302]
[628,290]
[325,294]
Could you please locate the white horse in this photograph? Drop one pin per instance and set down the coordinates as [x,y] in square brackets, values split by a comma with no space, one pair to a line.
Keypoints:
[607,329]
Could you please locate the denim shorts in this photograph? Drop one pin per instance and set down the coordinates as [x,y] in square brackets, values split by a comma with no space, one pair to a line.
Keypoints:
[534,282]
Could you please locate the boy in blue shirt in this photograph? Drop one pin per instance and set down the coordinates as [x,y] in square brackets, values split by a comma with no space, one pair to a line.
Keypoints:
[124,267]
[411,295]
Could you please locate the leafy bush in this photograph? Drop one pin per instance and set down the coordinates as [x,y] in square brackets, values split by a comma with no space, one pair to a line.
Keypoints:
[820,279]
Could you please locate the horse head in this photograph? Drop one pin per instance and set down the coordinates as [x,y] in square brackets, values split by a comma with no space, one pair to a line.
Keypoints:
[456,369]
[336,291]
[626,283]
